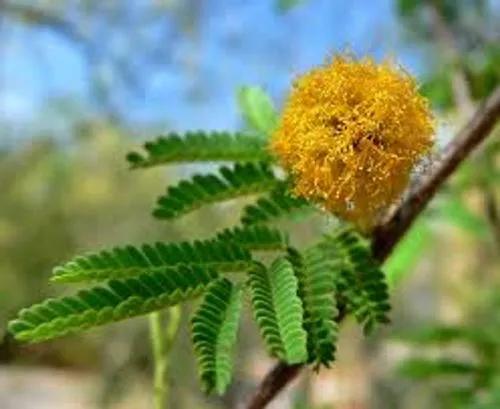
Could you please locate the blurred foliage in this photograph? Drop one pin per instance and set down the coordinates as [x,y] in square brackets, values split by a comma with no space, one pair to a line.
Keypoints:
[482,69]
[466,369]
[472,26]
[407,253]
[82,190]
[113,77]
[459,364]
[466,30]
[257,109]
[286,5]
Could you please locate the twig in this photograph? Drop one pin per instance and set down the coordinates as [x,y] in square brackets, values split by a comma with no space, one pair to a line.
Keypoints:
[492,213]
[161,343]
[446,38]
[387,235]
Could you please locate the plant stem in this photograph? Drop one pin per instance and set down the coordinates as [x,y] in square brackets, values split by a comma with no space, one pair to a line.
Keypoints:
[162,340]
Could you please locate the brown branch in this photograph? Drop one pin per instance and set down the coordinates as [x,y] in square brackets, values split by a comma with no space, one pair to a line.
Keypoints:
[387,235]
[390,232]
[279,377]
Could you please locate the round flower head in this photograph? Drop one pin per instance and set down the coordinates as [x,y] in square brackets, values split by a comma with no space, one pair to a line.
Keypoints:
[350,134]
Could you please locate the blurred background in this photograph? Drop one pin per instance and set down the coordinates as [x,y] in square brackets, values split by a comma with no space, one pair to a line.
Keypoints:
[83,82]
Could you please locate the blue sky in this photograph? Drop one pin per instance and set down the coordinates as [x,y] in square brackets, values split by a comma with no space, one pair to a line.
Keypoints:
[238,43]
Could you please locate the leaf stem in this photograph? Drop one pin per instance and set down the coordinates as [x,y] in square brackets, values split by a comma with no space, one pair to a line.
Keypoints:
[162,339]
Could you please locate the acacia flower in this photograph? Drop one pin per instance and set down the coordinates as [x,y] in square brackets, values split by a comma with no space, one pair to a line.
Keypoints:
[351,133]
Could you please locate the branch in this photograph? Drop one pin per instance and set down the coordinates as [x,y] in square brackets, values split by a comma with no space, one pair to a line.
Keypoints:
[389,233]
[40,17]
[492,213]
[69,31]
[449,47]
[279,376]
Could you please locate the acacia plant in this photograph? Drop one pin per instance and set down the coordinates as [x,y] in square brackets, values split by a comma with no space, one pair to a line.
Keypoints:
[348,143]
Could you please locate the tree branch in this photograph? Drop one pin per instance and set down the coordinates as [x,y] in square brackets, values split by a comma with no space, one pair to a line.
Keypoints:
[389,233]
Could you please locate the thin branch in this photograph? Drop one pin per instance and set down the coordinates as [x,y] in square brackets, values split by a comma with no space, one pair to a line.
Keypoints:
[279,377]
[449,47]
[491,207]
[40,17]
[162,340]
[389,233]
[71,32]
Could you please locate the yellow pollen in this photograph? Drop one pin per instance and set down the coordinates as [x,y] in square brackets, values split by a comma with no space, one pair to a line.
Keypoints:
[351,133]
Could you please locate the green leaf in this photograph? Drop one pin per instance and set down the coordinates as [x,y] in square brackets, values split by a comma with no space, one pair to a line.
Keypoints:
[277,204]
[121,262]
[117,300]
[214,328]
[438,89]
[231,183]
[407,7]
[418,368]
[407,253]
[481,338]
[257,109]
[317,274]
[200,147]
[361,281]
[286,5]
[255,237]
[278,311]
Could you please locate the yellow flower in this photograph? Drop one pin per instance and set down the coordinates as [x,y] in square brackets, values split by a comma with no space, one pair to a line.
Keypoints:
[350,135]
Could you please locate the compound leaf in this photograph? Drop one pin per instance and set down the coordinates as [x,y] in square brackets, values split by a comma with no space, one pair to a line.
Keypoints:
[278,310]
[200,147]
[121,262]
[230,183]
[115,301]
[214,328]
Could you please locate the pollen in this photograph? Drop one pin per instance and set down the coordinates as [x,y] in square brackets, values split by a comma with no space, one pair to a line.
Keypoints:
[350,135]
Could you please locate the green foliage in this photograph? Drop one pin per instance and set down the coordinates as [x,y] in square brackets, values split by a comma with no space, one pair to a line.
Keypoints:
[295,300]
[255,237]
[118,300]
[277,204]
[418,368]
[241,180]
[200,146]
[121,262]
[447,334]
[286,5]
[483,75]
[214,328]
[454,210]
[407,7]
[317,274]
[278,310]
[477,366]
[361,282]
[257,109]
[438,89]
[407,253]
[484,71]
